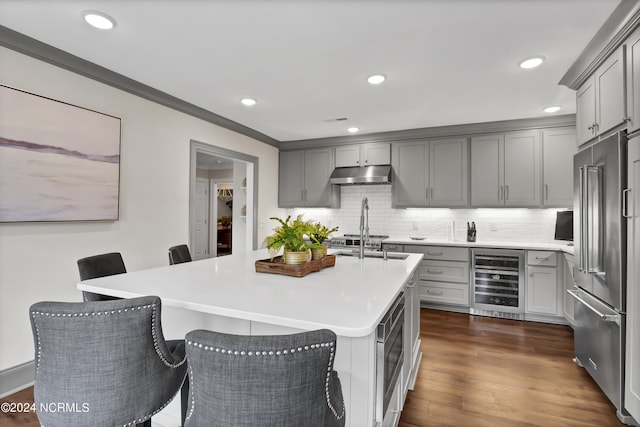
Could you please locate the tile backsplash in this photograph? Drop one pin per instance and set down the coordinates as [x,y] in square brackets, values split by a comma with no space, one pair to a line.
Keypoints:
[504,224]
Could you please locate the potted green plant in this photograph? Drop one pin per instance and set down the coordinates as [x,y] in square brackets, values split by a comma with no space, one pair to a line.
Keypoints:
[318,233]
[290,237]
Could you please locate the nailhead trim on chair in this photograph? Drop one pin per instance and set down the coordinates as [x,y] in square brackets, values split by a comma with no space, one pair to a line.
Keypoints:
[109,312]
[331,346]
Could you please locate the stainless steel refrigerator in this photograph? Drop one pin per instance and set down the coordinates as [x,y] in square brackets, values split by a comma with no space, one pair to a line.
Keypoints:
[600,273]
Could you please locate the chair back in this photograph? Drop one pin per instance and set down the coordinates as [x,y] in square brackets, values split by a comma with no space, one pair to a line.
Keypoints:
[108,360]
[100,266]
[281,380]
[179,254]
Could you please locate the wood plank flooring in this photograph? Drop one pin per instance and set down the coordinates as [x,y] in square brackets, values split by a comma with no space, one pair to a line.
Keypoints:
[479,371]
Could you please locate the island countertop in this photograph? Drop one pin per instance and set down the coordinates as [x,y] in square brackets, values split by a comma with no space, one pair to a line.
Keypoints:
[349,298]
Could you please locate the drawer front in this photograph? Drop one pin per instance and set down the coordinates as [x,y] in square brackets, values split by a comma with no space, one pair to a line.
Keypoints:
[448,253]
[392,247]
[444,293]
[546,258]
[445,271]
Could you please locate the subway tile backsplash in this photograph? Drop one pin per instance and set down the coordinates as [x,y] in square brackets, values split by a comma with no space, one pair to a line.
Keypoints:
[504,224]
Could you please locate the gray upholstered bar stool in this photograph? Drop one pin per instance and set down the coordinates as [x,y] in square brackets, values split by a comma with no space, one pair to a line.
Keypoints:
[106,362]
[100,266]
[179,254]
[279,380]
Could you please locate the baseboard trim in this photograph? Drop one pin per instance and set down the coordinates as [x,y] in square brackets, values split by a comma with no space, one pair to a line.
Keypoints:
[17,378]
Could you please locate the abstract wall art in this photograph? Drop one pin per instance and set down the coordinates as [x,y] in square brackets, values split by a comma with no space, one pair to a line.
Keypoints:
[58,162]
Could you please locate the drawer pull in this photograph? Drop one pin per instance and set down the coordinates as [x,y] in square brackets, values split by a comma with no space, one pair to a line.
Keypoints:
[434,253]
[434,271]
[539,258]
[429,291]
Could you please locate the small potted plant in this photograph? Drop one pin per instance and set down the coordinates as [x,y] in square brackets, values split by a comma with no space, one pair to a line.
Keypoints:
[318,233]
[290,236]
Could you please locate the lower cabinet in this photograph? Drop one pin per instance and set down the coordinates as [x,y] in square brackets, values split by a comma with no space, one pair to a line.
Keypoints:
[568,284]
[444,274]
[544,296]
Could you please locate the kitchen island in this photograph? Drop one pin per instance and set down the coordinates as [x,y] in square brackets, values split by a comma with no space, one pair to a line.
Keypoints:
[227,295]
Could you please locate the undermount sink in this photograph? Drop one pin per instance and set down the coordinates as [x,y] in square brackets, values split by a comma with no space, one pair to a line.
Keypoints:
[370,254]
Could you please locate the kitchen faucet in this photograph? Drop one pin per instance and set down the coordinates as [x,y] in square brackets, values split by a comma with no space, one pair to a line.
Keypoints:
[364,229]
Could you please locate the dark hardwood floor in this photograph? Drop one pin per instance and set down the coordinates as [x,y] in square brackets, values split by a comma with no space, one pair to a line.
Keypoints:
[479,371]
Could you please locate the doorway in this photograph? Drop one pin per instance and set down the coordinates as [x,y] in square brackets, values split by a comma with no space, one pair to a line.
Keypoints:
[222,201]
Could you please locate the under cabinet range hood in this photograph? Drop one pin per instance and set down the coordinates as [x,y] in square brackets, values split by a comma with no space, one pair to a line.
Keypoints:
[361,175]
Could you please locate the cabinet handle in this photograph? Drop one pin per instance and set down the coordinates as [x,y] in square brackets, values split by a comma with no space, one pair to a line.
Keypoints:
[546,191]
[540,258]
[434,253]
[366,161]
[626,119]
[411,284]
[625,203]
[590,128]
[506,192]
[530,274]
[429,291]
[434,271]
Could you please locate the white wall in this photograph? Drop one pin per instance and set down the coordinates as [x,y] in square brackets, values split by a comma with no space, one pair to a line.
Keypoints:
[38,260]
[511,225]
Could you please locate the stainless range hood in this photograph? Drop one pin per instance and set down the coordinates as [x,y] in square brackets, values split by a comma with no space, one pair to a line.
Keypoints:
[361,175]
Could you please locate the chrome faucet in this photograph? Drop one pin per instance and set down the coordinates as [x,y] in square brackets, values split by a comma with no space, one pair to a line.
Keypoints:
[364,229]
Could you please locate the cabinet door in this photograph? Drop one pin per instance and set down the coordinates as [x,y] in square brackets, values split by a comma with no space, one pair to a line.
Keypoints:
[448,172]
[633,81]
[291,179]
[558,148]
[632,385]
[318,165]
[487,174]
[348,155]
[541,290]
[610,95]
[522,168]
[586,111]
[568,284]
[410,164]
[376,154]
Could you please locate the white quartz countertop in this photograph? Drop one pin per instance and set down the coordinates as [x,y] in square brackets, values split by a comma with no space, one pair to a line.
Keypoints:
[550,246]
[349,299]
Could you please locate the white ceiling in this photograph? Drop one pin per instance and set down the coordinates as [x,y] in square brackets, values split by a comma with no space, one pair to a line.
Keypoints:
[305,61]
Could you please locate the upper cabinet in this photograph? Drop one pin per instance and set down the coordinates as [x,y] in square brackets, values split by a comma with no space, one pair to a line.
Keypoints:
[304,179]
[601,99]
[558,148]
[370,154]
[506,169]
[430,173]
[633,81]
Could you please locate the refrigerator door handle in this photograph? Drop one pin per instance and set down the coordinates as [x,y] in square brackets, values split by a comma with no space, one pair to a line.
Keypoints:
[593,219]
[581,213]
[625,202]
[604,317]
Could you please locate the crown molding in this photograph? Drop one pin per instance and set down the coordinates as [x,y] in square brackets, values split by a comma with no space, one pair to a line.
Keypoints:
[36,49]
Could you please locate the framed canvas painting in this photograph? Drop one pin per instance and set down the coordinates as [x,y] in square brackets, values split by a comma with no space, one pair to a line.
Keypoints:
[58,162]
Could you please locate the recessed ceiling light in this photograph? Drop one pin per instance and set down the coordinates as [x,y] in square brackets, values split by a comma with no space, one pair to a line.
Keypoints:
[532,62]
[353,129]
[248,101]
[552,109]
[98,20]
[376,79]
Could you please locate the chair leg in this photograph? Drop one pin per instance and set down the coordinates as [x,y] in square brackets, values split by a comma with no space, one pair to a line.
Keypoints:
[184,399]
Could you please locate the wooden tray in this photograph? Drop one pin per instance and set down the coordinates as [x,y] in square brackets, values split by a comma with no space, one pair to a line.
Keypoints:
[277,266]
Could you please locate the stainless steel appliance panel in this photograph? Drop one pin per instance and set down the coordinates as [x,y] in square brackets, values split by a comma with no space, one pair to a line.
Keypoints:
[580,160]
[598,343]
[609,156]
[497,282]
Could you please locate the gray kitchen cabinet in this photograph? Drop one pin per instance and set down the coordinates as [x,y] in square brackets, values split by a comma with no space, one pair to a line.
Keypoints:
[558,148]
[369,154]
[633,81]
[506,169]
[601,99]
[430,173]
[568,284]
[632,359]
[543,294]
[444,274]
[411,333]
[304,179]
